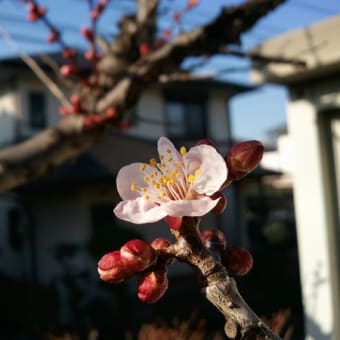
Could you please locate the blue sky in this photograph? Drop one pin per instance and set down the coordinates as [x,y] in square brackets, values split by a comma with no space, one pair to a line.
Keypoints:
[253,114]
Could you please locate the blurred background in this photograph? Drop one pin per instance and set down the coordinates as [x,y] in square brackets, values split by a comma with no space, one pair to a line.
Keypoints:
[55,229]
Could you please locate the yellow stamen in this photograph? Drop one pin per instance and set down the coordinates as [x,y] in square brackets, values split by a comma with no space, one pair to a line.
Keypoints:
[191,179]
[133,186]
[152,162]
[197,171]
[146,197]
[183,150]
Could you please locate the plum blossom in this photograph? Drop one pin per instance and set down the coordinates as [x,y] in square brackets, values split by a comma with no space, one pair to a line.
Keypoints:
[179,184]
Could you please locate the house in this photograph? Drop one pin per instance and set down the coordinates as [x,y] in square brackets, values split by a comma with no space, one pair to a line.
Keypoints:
[58,226]
[313,115]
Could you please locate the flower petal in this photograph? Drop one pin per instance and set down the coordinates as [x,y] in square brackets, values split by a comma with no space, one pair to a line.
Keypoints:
[213,169]
[132,174]
[167,150]
[197,207]
[139,211]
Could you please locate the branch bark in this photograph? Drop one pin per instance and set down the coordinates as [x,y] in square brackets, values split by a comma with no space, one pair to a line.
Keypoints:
[219,288]
[55,146]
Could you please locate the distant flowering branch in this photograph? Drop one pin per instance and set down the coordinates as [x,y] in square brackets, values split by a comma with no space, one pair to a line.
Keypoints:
[181,187]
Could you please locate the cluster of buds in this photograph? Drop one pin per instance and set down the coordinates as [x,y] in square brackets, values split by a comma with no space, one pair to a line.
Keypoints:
[34,11]
[138,257]
[92,120]
[238,261]
[133,257]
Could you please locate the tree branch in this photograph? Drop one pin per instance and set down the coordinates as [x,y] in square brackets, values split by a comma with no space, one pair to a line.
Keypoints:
[50,148]
[219,288]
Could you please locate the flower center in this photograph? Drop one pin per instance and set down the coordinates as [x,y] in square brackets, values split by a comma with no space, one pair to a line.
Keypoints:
[166,180]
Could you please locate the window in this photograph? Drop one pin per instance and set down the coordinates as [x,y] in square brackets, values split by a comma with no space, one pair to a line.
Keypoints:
[37,110]
[185,119]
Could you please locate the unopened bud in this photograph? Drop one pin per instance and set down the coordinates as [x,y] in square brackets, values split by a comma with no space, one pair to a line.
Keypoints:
[92,56]
[237,260]
[144,49]
[98,119]
[221,204]
[243,158]
[69,70]
[112,268]
[111,113]
[152,285]
[174,222]
[87,33]
[214,238]
[69,53]
[192,3]
[53,37]
[94,14]
[138,255]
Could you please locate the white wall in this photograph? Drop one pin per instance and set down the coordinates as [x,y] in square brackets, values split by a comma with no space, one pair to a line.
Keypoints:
[8,115]
[315,225]
[218,128]
[150,118]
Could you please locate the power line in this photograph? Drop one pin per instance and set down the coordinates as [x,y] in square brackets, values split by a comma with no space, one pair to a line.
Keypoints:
[311,7]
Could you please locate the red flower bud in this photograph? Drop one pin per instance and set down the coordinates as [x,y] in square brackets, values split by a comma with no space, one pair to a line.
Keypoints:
[138,255]
[32,17]
[69,53]
[111,113]
[192,3]
[221,204]
[176,15]
[160,244]
[166,34]
[98,119]
[32,7]
[94,14]
[112,268]
[214,238]
[53,37]
[144,49]
[69,70]
[92,56]
[87,33]
[237,260]
[41,11]
[88,122]
[243,158]
[152,286]
[206,142]
[63,110]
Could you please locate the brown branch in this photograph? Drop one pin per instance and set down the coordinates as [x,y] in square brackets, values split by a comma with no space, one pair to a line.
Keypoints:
[219,288]
[44,152]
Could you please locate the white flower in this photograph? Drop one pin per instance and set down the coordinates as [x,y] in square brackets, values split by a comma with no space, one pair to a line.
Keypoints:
[179,184]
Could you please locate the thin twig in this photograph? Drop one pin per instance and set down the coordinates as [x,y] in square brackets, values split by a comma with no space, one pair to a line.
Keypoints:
[33,65]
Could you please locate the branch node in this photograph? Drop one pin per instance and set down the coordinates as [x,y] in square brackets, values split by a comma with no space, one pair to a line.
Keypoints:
[231,329]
